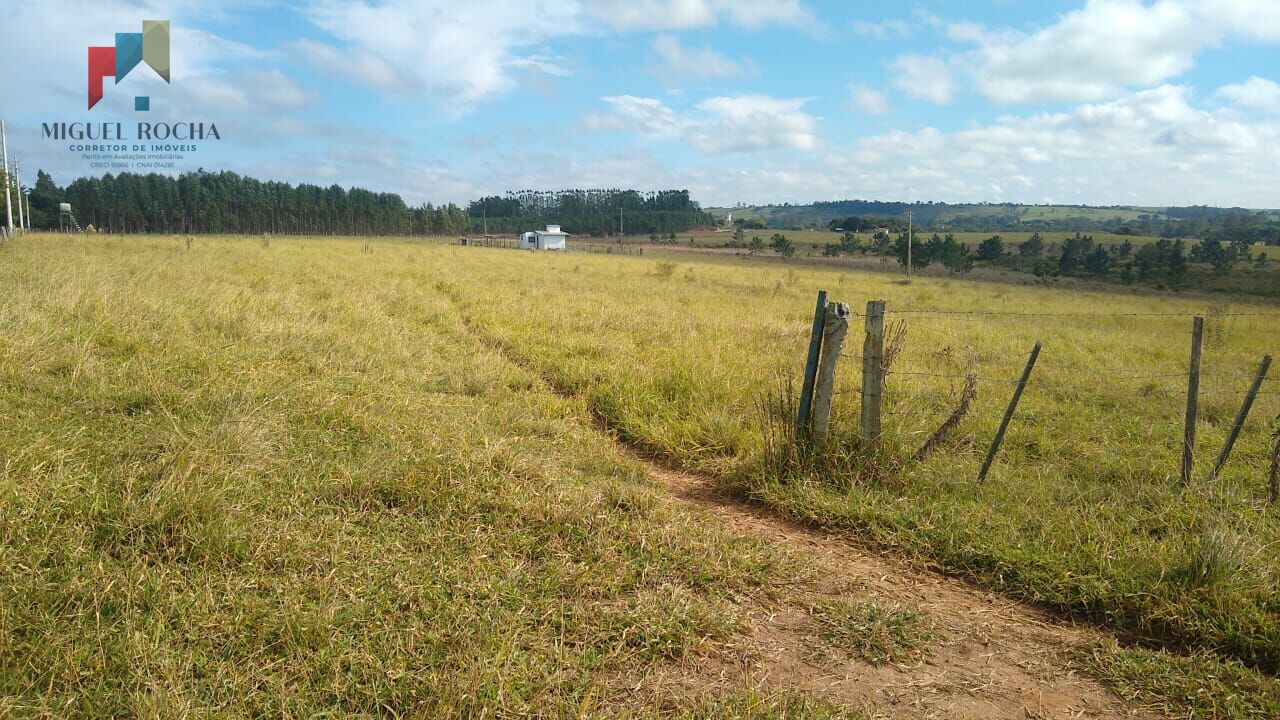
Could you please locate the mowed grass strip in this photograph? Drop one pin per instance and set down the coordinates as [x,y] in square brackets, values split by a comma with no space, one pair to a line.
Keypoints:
[1083,512]
[287,481]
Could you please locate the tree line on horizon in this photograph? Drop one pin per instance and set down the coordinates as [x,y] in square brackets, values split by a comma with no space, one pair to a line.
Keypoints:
[226,202]
[590,212]
[1228,225]
[1165,263]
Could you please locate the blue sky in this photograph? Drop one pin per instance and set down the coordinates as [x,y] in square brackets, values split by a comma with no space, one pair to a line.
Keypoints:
[747,101]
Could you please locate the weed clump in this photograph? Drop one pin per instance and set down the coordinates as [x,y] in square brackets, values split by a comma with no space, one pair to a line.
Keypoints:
[1213,556]
[879,633]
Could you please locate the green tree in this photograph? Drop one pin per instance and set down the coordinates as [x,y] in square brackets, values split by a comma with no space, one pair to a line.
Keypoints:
[1032,247]
[1045,271]
[921,253]
[782,245]
[850,244]
[991,249]
[1220,257]
[756,245]
[1098,262]
[1074,251]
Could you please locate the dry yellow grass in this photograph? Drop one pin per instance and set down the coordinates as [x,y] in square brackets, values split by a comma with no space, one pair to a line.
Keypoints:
[305,477]
[1083,511]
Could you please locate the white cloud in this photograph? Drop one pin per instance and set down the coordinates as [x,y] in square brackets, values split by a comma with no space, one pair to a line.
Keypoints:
[1256,93]
[1092,53]
[678,62]
[1106,47]
[648,116]
[458,54]
[882,30]
[924,77]
[869,100]
[718,125]
[685,14]
[754,122]
[47,58]
[681,63]
[1152,147]
[358,63]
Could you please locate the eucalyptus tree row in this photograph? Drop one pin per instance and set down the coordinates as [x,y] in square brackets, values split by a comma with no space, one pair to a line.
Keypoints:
[226,202]
[590,212]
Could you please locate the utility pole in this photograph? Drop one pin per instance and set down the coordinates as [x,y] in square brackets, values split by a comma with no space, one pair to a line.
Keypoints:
[910,239]
[484,213]
[8,204]
[619,223]
[28,194]
[17,179]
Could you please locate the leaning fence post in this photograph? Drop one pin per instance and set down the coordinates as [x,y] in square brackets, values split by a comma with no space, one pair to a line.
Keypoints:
[811,367]
[872,374]
[1193,400]
[835,327]
[1008,413]
[1241,417]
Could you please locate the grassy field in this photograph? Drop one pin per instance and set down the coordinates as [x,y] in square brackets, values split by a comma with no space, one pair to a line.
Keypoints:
[812,241]
[299,478]
[245,481]
[1025,213]
[1084,511]
[1244,279]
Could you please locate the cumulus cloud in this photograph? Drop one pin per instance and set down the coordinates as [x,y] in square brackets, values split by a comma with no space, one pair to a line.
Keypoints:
[677,62]
[1152,147]
[869,100]
[686,14]
[647,116]
[928,78]
[718,125]
[1255,93]
[458,54]
[1106,47]
[1128,149]
[753,122]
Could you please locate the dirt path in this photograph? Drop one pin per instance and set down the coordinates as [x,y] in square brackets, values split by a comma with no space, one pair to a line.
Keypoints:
[994,658]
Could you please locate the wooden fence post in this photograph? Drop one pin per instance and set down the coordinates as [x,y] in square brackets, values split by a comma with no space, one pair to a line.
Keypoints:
[1241,417]
[811,368]
[872,374]
[1008,413]
[1273,484]
[835,327]
[1193,400]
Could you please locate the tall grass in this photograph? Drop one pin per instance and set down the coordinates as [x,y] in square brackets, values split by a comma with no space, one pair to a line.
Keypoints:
[297,478]
[283,479]
[1083,510]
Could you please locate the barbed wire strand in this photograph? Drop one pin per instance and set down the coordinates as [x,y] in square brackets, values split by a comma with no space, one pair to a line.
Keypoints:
[1010,313]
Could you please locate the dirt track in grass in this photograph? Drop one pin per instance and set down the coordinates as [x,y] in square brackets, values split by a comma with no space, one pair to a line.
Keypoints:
[990,657]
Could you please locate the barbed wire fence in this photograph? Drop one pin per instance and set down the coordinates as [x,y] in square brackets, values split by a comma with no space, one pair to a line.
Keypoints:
[1240,387]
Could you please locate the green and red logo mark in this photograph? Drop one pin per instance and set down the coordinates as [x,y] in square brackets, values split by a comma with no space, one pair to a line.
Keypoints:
[150,46]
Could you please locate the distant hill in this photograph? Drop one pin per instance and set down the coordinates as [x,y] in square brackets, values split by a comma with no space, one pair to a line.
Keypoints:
[1193,221]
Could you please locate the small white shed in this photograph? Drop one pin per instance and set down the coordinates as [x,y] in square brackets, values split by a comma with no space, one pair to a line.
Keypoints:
[550,239]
